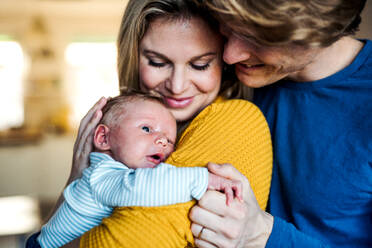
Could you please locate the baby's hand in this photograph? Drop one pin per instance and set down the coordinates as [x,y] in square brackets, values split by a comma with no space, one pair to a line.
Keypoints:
[228,186]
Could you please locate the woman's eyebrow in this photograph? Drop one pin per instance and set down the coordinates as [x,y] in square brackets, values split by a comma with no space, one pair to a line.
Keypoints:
[203,55]
[150,52]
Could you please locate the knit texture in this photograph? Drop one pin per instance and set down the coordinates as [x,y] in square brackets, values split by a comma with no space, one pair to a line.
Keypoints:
[232,131]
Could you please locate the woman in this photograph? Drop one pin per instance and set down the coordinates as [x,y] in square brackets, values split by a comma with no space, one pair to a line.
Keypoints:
[173,47]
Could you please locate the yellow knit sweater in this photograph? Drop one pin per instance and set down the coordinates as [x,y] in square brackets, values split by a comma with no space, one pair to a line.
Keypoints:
[232,131]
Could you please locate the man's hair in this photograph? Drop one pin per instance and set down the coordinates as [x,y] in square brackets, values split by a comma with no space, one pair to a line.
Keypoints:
[309,23]
[114,109]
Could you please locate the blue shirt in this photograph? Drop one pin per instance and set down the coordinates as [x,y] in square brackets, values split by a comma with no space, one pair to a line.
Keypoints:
[321,192]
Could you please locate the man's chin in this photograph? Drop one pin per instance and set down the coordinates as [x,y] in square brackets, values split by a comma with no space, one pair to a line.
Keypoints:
[254,82]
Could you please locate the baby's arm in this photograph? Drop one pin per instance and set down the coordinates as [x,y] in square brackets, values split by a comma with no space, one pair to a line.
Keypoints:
[229,186]
[163,185]
[64,226]
[76,215]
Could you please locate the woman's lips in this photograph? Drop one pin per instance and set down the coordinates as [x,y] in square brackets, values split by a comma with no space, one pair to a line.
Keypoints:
[178,102]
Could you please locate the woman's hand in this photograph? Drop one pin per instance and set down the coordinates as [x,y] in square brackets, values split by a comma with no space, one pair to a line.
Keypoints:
[84,141]
[241,224]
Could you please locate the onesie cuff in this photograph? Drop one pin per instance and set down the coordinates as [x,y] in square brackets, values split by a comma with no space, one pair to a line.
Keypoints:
[201,183]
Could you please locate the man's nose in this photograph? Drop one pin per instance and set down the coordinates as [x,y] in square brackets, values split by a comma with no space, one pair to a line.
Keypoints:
[235,50]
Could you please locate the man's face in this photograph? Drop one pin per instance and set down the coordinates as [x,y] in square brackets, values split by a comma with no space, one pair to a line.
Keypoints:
[257,65]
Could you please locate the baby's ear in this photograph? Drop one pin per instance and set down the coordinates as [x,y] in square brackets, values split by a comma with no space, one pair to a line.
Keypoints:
[101,137]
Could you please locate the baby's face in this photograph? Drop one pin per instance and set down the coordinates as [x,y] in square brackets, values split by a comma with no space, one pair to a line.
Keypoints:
[144,136]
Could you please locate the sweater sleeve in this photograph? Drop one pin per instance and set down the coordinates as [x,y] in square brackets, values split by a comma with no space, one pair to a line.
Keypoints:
[163,185]
[286,235]
[232,131]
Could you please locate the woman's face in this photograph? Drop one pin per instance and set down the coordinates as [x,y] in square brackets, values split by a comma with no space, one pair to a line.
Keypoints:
[181,60]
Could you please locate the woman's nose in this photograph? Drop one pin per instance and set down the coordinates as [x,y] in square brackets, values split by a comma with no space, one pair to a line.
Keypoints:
[161,140]
[177,82]
[235,50]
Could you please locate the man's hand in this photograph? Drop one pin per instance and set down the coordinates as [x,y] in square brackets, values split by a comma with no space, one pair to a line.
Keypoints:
[241,224]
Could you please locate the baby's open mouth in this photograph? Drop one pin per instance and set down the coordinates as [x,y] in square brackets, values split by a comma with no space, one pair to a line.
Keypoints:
[156,158]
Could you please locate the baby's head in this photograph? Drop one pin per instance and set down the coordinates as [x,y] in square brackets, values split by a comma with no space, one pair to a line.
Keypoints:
[137,130]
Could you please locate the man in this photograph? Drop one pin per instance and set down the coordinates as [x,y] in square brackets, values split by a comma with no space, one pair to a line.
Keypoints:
[314,86]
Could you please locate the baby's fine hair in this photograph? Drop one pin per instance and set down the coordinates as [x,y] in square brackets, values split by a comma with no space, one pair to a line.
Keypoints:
[115,106]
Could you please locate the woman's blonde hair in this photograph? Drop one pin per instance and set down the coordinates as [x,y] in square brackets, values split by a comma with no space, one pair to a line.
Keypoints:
[309,23]
[137,17]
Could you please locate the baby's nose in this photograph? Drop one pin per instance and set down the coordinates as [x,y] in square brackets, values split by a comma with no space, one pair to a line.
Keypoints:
[162,141]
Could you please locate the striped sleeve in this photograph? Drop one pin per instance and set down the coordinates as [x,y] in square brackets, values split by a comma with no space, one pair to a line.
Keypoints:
[65,226]
[77,214]
[148,187]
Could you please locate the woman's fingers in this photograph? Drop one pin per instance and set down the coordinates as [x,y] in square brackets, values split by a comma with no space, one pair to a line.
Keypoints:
[89,115]
[91,119]
[83,144]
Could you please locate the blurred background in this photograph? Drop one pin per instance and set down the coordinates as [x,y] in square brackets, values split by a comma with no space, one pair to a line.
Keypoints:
[57,58]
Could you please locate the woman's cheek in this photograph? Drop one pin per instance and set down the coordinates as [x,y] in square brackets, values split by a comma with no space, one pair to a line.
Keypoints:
[210,81]
[149,77]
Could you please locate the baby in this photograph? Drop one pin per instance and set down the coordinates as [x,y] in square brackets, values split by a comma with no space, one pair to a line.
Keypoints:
[136,134]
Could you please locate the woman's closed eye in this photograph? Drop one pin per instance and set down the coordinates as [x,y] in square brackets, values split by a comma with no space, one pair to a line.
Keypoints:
[200,67]
[156,63]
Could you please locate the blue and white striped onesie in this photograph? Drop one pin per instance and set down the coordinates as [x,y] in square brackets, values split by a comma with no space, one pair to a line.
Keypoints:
[107,184]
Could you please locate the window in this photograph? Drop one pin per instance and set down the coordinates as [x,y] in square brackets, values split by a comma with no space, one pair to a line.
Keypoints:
[12,67]
[91,73]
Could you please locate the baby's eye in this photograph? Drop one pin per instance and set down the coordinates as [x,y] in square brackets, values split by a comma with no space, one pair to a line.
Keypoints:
[146,129]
